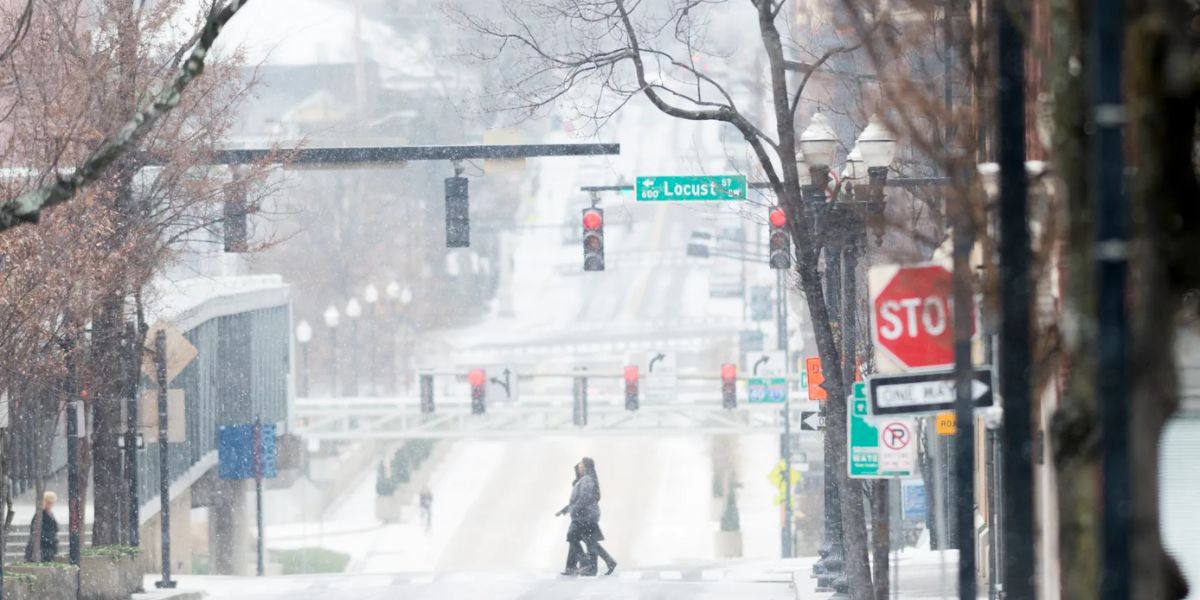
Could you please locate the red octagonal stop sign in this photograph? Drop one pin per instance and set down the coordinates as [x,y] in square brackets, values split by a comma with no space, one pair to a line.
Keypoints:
[913,319]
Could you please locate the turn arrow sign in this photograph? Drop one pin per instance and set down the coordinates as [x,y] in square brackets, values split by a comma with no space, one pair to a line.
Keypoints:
[811,421]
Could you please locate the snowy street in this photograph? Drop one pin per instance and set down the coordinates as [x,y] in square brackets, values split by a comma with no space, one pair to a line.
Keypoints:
[657,585]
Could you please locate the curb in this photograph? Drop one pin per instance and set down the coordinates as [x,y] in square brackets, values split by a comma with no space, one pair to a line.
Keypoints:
[171,595]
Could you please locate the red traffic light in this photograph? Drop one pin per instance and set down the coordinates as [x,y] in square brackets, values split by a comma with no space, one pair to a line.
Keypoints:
[592,220]
[631,374]
[476,377]
[728,372]
[778,217]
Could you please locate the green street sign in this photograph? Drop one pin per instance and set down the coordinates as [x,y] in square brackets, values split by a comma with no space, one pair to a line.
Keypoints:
[880,447]
[691,188]
[767,390]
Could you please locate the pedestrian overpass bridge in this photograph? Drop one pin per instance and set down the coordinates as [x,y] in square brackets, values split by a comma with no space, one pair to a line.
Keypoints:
[400,418]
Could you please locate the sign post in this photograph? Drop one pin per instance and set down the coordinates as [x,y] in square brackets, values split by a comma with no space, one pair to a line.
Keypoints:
[691,188]
[249,452]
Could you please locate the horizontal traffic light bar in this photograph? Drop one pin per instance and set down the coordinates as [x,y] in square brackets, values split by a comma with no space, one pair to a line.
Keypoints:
[898,182]
[398,154]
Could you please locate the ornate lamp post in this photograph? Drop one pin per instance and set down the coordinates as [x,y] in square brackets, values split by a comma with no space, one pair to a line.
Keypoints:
[354,311]
[332,317]
[303,337]
[371,297]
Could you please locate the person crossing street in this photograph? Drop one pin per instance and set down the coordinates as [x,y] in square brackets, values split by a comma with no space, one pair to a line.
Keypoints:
[584,531]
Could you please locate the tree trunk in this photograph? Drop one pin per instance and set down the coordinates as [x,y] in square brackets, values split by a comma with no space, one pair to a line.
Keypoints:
[1074,428]
[1167,229]
[106,400]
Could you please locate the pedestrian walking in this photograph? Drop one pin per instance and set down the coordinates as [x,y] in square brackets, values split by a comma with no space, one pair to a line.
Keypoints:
[584,509]
[427,508]
[49,537]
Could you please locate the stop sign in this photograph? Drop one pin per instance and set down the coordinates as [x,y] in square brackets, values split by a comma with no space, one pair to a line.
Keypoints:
[913,317]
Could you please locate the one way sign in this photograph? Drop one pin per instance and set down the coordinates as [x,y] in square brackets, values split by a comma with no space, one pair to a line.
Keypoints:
[924,392]
[811,420]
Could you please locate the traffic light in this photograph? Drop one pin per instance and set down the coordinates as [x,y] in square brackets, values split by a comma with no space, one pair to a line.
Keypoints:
[593,239]
[631,388]
[427,405]
[477,378]
[458,213]
[729,386]
[780,241]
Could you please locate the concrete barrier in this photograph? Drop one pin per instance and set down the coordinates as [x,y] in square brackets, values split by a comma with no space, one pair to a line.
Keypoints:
[110,573]
[49,581]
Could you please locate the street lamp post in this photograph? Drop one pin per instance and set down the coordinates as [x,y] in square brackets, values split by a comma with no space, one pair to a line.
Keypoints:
[354,311]
[331,317]
[393,294]
[371,297]
[406,298]
[818,143]
[303,337]
[845,227]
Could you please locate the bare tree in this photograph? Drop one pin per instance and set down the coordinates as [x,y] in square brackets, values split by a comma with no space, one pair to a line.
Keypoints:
[599,54]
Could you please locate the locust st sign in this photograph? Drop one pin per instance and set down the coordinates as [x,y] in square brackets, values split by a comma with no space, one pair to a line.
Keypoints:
[691,188]
[924,392]
[912,316]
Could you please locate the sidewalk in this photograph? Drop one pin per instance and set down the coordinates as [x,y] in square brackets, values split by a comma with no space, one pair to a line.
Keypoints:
[916,575]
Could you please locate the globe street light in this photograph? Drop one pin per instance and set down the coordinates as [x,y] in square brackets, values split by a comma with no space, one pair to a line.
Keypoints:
[818,142]
[878,147]
[303,337]
[331,320]
[354,311]
[371,296]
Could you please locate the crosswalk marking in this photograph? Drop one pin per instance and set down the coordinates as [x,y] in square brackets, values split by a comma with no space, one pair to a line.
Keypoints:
[670,575]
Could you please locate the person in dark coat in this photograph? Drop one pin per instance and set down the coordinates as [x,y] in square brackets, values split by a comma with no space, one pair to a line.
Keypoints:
[584,509]
[49,531]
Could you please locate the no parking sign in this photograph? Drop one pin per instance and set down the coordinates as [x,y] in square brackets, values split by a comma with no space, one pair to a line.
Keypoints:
[880,447]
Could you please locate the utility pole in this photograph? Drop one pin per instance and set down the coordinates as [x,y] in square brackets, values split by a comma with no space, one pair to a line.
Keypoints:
[781,320]
[132,417]
[1015,301]
[74,432]
[258,490]
[1107,166]
[164,482]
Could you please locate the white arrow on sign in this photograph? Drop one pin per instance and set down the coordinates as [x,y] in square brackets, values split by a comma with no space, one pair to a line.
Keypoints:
[811,421]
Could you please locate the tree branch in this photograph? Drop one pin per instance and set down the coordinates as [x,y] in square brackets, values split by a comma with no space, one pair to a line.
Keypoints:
[27,207]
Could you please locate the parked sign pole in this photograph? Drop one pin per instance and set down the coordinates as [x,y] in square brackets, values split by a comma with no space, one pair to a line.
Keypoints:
[164,483]
[258,488]
[781,319]
[1015,305]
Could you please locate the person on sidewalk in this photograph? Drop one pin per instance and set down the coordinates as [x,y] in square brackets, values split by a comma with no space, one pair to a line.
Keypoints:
[49,537]
[584,509]
[427,508]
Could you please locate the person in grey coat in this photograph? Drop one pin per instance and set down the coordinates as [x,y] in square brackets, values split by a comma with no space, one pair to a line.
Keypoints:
[584,509]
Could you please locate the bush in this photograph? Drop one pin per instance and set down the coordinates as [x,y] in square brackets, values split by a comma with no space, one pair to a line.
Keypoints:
[729,518]
[402,465]
[384,486]
[302,561]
